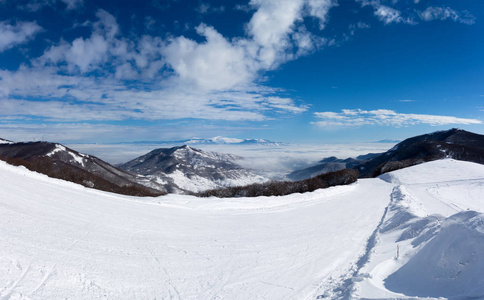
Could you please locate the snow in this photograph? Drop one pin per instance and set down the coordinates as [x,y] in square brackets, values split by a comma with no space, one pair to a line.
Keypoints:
[436,219]
[58,148]
[2,141]
[457,256]
[61,240]
[77,157]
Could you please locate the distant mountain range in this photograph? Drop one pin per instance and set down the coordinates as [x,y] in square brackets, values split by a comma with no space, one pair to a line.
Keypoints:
[230,141]
[218,140]
[186,169]
[454,143]
[330,164]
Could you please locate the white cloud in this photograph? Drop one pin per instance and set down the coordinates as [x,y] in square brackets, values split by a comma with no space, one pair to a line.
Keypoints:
[215,64]
[384,117]
[388,15]
[358,26]
[320,9]
[78,98]
[444,13]
[13,35]
[270,28]
[205,8]
[85,55]
[275,36]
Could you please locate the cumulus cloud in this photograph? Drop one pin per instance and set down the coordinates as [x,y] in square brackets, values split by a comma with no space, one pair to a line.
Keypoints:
[214,64]
[84,55]
[444,13]
[270,28]
[384,117]
[19,33]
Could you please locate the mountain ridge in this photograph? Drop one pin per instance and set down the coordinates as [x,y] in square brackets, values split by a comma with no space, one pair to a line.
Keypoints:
[58,161]
[453,143]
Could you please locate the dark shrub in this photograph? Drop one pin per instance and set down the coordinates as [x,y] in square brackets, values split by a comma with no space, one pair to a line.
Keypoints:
[281,188]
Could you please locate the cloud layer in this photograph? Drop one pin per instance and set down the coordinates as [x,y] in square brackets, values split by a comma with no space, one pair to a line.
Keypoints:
[384,117]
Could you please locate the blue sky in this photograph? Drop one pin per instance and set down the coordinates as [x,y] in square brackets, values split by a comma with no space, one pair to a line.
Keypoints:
[305,71]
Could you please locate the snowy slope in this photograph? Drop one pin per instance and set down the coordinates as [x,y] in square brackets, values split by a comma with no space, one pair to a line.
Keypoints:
[61,240]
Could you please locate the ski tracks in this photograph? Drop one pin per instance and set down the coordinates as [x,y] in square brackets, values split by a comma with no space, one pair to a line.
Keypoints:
[155,261]
[341,288]
[20,286]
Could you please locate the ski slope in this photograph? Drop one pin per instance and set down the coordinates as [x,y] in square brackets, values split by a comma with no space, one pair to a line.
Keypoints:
[61,240]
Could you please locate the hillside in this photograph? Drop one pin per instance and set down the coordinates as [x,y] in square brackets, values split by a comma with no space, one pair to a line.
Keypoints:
[58,161]
[454,143]
[61,240]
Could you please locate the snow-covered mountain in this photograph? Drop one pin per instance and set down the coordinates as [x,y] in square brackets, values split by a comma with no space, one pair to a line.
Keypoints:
[219,140]
[62,162]
[454,143]
[414,233]
[185,168]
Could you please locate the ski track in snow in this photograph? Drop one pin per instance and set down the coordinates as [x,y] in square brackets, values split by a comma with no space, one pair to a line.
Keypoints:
[60,240]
